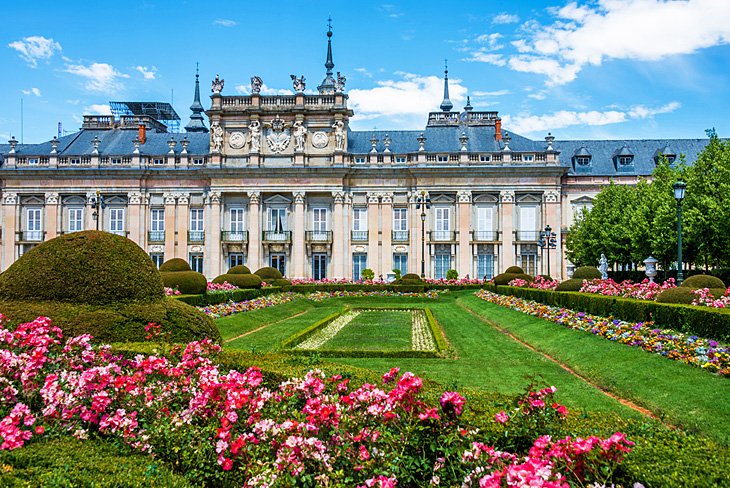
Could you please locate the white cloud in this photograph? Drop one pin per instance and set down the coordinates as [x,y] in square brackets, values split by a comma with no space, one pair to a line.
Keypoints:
[505,18]
[225,22]
[265,90]
[101,77]
[147,73]
[484,57]
[535,124]
[98,109]
[491,40]
[32,91]
[364,72]
[391,11]
[35,48]
[496,93]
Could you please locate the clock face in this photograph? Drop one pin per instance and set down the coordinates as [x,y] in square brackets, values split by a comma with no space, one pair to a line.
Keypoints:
[320,140]
[237,140]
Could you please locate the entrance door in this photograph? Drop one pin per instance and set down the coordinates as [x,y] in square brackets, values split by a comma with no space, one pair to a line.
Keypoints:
[319,266]
[278,261]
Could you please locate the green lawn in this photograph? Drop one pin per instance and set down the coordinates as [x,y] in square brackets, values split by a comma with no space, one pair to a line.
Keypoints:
[375,330]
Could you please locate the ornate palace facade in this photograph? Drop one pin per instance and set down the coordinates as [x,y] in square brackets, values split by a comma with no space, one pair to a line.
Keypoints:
[282,181]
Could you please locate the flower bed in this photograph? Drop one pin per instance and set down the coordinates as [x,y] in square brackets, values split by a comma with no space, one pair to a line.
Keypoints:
[421,336]
[704,297]
[646,290]
[707,354]
[539,283]
[230,428]
[225,286]
[170,292]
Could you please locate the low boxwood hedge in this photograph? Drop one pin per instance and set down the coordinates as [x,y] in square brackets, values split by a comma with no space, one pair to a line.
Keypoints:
[269,273]
[215,298]
[330,287]
[307,332]
[439,337]
[240,280]
[712,323]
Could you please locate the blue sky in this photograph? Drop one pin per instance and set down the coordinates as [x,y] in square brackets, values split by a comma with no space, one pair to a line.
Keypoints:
[587,69]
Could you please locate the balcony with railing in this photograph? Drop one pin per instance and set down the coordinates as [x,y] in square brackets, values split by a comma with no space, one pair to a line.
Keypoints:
[234,236]
[527,235]
[156,236]
[31,236]
[484,235]
[196,236]
[399,236]
[442,236]
[279,236]
[359,236]
[318,236]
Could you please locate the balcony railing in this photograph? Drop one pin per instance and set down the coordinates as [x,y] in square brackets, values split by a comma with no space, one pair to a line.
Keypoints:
[359,236]
[527,235]
[31,235]
[234,236]
[196,236]
[399,236]
[442,235]
[156,236]
[277,236]
[484,235]
[318,236]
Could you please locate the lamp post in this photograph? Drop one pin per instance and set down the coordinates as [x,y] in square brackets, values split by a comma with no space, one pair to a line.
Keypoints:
[547,241]
[97,202]
[423,203]
[679,188]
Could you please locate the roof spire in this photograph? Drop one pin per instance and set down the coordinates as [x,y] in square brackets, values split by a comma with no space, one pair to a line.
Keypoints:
[446,105]
[196,124]
[328,84]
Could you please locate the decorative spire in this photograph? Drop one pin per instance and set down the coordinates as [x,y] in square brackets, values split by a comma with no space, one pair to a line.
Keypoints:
[328,84]
[446,105]
[196,124]
[468,106]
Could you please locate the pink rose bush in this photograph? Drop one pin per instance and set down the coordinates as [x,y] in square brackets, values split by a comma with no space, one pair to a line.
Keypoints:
[539,282]
[171,291]
[703,297]
[219,287]
[645,290]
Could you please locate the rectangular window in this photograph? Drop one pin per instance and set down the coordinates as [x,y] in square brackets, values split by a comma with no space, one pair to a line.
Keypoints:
[236,259]
[157,220]
[33,224]
[442,158]
[528,262]
[116,161]
[360,160]
[359,218]
[276,221]
[528,224]
[196,262]
[237,222]
[359,263]
[75,161]
[442,231]
[485,158]
[319,219]
[400,262]
[400,219]
[198,161]
[196,220]
[400,159]
[158,258]
[485,262]
[319,266]
[75,219]
[442,261]
[116,220]
[528,158]
[485,224]
[278,261]
[32,161]
[158,162]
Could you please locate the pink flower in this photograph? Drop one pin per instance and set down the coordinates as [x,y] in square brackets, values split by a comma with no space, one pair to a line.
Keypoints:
[451,401]
[390,375]
[501,417]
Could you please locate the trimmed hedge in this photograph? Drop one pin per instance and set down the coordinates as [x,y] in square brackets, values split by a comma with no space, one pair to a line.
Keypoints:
[186,282]
[411,276]
[92,267]
[439,337]
[240,280]
[587,273]
[175,264]
[712,323]
[572,284]
[214,298]
[329,287]
[240,269]
[307,332]
[697,282]
[514,270]
[662,275]
[282,282]
[676,295]
[505,278]
[124,322]
[269,273]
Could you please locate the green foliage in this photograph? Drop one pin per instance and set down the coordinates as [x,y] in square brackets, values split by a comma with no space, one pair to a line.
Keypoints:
[587,273]
[174,264]
[240,269]
[514,270]
[402,287]
[573,284]
[504,278]
[214,298]
[452,274]
[439,336]
[187,282]
[412,277]
[240,280]
[124,322]
[282,282]
[368,274]
[697,282]
[397,273]
[307,332]
[676,295]
[91,267]
[268,273]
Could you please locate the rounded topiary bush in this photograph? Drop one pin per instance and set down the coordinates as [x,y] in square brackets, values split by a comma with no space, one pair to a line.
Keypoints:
[240,280]
[240,269]
[411,277]
[175,264]
[586,273]
[89,267]
[676,295]
[186,282]
[504,278]
[573,284]
[280,282]
[697,282]
[514,270]
[269,273]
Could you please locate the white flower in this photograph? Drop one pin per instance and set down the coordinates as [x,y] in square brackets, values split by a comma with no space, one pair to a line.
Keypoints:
[421,337]
[319,338]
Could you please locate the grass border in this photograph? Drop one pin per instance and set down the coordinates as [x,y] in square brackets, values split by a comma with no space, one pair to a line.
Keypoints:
[305,333]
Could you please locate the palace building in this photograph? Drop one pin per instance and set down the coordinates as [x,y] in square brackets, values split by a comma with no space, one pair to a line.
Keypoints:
[282,181]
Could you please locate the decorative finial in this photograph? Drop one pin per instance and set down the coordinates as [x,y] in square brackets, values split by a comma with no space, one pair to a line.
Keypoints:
[468,106]
[197,124]
[328,84]
[217,85]
[446,104]
[329,26]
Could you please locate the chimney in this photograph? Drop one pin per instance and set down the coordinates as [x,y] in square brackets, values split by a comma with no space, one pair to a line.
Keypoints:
[498,129]
[142,133]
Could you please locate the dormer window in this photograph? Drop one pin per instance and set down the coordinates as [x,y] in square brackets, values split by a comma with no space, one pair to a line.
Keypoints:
[668,153]
[158,162]
[528,158]
[485,158]
[625,160]
[442,158]
[583,160]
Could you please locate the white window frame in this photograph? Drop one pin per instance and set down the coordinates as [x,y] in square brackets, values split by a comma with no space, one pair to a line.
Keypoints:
[116,219]
[442,223]
[281,213]
[157,220]
[197,222]
[400,218]
[320,219]
[75,219]
[359,218]
[237,219]
[34,219]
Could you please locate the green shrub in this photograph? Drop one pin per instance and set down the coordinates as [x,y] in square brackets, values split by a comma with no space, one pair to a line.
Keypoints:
[240,269]
[330,287]
[504,278]
[586,273]
[269,273]
[697,282]
[410,282]
[573,284]
[514,270]
[175,264]
[397,273]
[412,277]
[676,295]
[307,332]
[186,282]
[89,267]
[215,298]
[124,322]
[282,282]
[368,274]
[452,274]
[240,280]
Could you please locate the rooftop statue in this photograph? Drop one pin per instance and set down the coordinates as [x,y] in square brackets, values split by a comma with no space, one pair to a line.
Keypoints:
[217,85]
[256,83]
[299,84]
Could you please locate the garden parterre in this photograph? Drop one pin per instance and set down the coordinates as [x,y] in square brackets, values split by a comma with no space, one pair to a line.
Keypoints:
[704,353]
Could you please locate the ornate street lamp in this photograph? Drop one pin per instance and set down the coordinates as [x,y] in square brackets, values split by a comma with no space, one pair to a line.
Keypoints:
[548,240]
[97,202]
[679,188]
[423,203]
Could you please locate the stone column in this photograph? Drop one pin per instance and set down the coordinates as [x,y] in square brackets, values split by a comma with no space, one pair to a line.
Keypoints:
[135,219]
[213,256]
[183,222]
[346,244]
[10,202]
[254,231]
[506,216]
[373,254]
[465,253]
[386,210]
[51,224]
[169,199]
[298,255]
[551,199]
[414,226]
[338,235]
[89,221]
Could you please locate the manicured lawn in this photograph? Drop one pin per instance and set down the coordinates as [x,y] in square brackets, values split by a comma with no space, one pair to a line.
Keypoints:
[235,325]
[375,330]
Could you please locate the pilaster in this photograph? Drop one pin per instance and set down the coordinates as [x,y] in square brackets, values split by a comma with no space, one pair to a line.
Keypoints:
[338,237]
[183,219]
[386,210]
[169,199]
[254,234]
[135,218]
[506,215]
[465,255]
[298,256]
[346,242]
[213,255]
[51,215]
[89,221]
[551,199]
[10,203]
[373,254]
[414,224]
